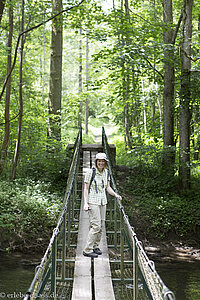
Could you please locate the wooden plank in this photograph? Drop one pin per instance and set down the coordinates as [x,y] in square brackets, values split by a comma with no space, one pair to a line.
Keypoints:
[82,285]
[103,286]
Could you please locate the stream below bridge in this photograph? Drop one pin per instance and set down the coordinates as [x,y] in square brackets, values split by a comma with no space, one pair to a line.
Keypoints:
[16,274]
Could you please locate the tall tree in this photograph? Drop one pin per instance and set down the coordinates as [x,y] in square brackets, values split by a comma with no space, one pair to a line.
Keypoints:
[168,93]
[55,88]
[2,5]
[87,85]
[185,95]
[80,79]
[8,91]
[17,149]
[126,80]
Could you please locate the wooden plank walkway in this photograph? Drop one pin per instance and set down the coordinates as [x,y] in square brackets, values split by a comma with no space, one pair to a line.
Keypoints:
[82,285]
[83,289]
[103,287]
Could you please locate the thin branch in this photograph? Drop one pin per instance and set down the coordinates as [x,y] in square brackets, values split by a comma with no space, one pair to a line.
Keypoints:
[188,56]
[9,121]
[177,27]
[26,31]
[153,67]
[142,18]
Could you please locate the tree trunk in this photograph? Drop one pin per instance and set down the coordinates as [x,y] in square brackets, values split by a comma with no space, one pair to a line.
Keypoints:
[144,109]
[55,92]
[126,87]
[80,81]
[168,93]
[87,86]
[127,126]
[185,113]
[43,64]
[197,144]
[8,89]
[17,149]
[160,113]
[2,5]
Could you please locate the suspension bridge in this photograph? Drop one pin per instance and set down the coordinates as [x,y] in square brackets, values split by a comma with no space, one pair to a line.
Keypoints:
[123,271]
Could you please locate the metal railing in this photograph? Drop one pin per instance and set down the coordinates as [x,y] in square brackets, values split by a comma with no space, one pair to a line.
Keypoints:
[146,282]
[44,283]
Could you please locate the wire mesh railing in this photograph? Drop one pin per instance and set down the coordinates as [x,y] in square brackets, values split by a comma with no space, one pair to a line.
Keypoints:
[134,275]
[57,263]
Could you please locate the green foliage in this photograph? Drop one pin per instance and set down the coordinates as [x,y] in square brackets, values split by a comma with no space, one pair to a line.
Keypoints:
[168,213]
[146,152]
[155,197]
[28,211]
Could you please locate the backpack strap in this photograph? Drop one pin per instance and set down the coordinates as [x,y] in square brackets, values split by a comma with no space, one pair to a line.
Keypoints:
[93,178]
[108,175]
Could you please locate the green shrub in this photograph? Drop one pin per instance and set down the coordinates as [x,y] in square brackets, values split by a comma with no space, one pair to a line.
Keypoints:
[155,195]
[28,210]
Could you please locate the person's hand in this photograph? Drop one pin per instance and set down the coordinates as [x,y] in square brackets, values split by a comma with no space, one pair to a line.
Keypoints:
[86,207]
[118,197]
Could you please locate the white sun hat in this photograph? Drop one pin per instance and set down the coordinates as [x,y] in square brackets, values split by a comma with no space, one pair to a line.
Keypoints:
[101,155]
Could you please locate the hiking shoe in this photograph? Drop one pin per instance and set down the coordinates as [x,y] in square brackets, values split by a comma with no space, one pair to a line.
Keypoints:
[92,254]
[97,251]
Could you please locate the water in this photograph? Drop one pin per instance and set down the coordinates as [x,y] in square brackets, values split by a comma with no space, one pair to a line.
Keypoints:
[16,275]
[182,278]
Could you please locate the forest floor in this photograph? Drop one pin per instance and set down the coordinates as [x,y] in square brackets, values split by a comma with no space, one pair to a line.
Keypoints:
[110,129]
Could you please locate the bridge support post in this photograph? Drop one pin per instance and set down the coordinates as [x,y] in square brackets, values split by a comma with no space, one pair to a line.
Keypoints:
[69,221]
[74,194]
[64,247]
[121,246]
[110,201]
[115,224]
[53,269]
[135,270]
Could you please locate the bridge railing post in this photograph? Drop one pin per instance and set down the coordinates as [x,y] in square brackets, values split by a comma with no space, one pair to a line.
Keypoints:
[135,270]
[63,247]
[111,208]
[69,222]
[53,268]
[121,246]
[115,224]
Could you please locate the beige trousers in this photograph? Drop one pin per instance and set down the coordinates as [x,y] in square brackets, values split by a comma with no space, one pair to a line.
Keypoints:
[97,216]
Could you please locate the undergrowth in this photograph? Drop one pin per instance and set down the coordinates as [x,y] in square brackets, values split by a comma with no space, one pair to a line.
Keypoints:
[28,214]
[152,199]
[30,205]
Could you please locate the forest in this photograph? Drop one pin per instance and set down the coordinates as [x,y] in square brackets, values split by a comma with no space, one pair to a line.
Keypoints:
[132,66]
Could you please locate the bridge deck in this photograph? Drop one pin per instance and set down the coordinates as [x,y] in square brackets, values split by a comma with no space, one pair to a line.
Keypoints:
[102,276]
[92,277]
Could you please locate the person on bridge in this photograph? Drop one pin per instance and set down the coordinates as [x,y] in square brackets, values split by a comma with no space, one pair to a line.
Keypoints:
[96,183]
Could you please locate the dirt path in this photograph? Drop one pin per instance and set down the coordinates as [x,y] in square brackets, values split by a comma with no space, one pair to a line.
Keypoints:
[97,131]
